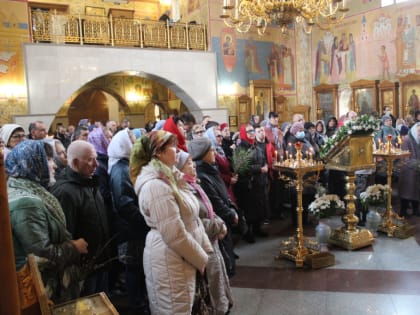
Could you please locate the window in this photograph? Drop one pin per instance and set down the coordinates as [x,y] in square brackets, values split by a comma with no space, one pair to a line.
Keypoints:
[385,3]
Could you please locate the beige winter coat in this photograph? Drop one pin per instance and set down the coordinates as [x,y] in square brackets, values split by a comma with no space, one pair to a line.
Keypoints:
[176,247]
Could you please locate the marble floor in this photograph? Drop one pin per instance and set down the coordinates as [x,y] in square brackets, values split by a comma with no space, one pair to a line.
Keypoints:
[380,279]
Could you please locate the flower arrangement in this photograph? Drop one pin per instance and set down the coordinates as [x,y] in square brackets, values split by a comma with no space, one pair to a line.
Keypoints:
[364,124]
[326,205]
[375,195]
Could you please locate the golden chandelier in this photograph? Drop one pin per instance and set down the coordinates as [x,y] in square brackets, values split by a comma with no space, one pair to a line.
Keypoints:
[243,14]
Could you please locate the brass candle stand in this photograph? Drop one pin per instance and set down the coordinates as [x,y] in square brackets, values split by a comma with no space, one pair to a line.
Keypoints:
[392,224]
[352,153]
[297,248]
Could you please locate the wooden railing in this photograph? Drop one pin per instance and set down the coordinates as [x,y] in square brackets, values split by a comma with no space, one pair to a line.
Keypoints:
[67,28]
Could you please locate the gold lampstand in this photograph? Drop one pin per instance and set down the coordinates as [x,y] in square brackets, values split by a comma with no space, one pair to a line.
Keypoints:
[392,224]
[350,236]
[297,248]
[352,153]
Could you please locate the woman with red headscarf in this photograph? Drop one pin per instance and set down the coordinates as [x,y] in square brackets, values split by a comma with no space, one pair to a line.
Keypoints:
[175,125]
[248,180]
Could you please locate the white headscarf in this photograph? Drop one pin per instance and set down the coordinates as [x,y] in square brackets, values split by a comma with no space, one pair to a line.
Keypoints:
[7,130]
[119,148]
[413,131]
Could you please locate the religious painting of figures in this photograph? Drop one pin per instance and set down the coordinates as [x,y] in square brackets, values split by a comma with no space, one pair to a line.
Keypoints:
[281,67]
[410,92]
[262,102]
[365,101]
[413,103]
[228,48]
[241,59]
[344,100]
[374,44]
[387,99]
[326,103]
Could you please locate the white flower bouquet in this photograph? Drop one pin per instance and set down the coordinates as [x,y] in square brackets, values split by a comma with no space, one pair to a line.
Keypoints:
[375,195]
[365,124]
[326,205]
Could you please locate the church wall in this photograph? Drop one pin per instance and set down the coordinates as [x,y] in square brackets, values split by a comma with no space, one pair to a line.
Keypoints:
[381,44]
[255,56]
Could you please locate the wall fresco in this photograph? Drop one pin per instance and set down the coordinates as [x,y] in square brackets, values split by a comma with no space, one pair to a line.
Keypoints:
[380,44]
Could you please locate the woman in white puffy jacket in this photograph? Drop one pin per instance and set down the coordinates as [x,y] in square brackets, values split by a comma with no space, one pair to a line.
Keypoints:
[177,245]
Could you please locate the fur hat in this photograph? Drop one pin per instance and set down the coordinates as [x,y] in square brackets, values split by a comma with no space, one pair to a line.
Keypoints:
[199,147]
[181,158]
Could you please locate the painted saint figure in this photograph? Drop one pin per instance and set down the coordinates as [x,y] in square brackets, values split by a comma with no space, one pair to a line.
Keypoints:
[413,102]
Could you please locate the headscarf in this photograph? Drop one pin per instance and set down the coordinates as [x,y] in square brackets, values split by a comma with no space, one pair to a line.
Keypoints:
[146,148]
[384,118]
[99,140]
[29,160]
[7,130]
[244,135]
[413,132]
[173,128]
[324,130]
[159,125]
[297,126]
[83,122]
[181,159]
[210,133]
[223,126]
[285,127]
[192,180]
[119,148]
[57,159]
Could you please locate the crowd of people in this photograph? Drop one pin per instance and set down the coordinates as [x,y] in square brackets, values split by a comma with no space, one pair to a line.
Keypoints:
[151,209]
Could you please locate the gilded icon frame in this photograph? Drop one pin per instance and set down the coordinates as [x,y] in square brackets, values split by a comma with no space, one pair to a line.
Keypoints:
[409,84]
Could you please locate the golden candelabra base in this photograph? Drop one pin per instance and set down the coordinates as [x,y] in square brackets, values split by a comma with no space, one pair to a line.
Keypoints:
[350,240]
[392,224]
[350,236]
[395,226]
[298,248]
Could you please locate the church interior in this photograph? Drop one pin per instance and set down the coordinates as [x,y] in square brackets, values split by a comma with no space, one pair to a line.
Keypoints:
[62,61]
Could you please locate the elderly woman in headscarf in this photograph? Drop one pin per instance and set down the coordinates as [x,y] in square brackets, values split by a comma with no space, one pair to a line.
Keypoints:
[11,134]
[297,134]
[409,179]
[203,154]
[177,245]
[38,221]
[59,155]
[216,230]
[222,162]
[128,223]
[385,131]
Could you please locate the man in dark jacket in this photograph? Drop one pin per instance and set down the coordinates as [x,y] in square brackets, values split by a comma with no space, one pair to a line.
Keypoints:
[77,189]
